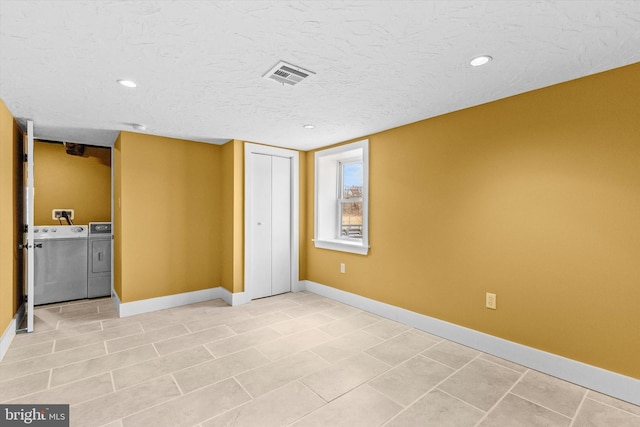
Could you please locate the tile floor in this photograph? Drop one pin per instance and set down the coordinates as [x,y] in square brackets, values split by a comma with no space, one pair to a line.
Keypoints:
[294,359]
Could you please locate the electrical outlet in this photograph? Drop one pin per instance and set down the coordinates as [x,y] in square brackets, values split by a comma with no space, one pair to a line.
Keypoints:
[57,213]
[490,301]
[342,268]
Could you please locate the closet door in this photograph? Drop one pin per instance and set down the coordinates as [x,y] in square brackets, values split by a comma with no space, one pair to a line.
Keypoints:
[271,224]
[281,225]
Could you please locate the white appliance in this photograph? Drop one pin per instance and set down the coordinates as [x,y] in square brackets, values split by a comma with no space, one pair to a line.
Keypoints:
[60,263]
[99,259]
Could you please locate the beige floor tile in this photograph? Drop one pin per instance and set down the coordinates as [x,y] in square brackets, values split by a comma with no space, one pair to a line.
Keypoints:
[45,320]
[303,323]
[278,408]
[514,411]
[98,336]
[73,393]
[362,407]
[119,322]
[143,338]
[247,325]
[21,353]
[502,362]
[616,403]
[401,348]
[39,337]
[88,318]
[242,342]
[438,409]
[192,340]
[215,320]
[98,365]
[386,329]
[343,376]
[75,310]
[480,383]
[256,310]
[217,370]
[308,307]
[21,386]
[272,362]
[291,344]
[42,363]
[349,324]
[410,380]
[265,378]
[158,320]
[550,392]
[117,405]
[144,371]
[451,354]
[346,346]
[597,414]
[191,408]
[341,310]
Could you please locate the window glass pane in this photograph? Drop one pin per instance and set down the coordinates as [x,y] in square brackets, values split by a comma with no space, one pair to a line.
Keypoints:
[352,180]
[351,224]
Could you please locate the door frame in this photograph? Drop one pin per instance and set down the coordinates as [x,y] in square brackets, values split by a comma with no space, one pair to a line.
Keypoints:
[249,227]
[29,234]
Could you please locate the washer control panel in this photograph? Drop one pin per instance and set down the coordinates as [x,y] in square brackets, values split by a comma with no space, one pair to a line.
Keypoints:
[60,231]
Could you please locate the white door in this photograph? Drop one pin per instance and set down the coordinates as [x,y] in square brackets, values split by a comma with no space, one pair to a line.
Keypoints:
[271,215]
[270,221]
[27,238]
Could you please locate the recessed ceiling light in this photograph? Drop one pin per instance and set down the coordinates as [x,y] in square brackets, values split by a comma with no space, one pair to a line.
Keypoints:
[480,60]
[309,126]
[138,126]
[127,83]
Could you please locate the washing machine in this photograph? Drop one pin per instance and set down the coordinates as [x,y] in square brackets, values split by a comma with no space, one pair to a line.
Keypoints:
[99,260]
[60,263]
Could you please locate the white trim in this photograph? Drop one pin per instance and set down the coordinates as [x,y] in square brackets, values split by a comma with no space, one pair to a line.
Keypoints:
[589,376]
[169,301]
[126,309]
[7,338]
[9,334]
[326,209]
[295,206]
[232,299]
[29,220]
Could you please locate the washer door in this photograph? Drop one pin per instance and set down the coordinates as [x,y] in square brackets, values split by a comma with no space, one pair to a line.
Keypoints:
[60,270]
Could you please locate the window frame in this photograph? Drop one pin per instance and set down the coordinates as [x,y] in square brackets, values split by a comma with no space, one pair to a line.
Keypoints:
[327,212]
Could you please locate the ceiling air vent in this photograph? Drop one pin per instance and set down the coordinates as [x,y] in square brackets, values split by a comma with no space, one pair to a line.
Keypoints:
[285,73]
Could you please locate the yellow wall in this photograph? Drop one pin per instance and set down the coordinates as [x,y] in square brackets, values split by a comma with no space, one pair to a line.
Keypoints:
[535,198]
[304,237]
[10,199]
[82,183]
[117,216]
[168,216]
[233,216]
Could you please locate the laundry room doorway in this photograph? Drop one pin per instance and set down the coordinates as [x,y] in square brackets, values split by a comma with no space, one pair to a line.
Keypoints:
[271,220]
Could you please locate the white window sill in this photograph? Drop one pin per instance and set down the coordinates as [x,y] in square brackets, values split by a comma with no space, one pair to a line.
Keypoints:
[343,246]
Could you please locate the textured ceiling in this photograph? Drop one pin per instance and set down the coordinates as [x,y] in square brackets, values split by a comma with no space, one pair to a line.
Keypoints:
[378,64]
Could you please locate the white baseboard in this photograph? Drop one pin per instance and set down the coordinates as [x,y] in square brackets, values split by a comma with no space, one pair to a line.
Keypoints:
[126,309]
[234,299]
[7,337]
[592,377]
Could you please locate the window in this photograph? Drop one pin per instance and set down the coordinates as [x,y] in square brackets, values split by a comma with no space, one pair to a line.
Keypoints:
[341,195]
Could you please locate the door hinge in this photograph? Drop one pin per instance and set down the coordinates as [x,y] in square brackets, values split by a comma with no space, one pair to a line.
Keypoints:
[25,158]
[25,228]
